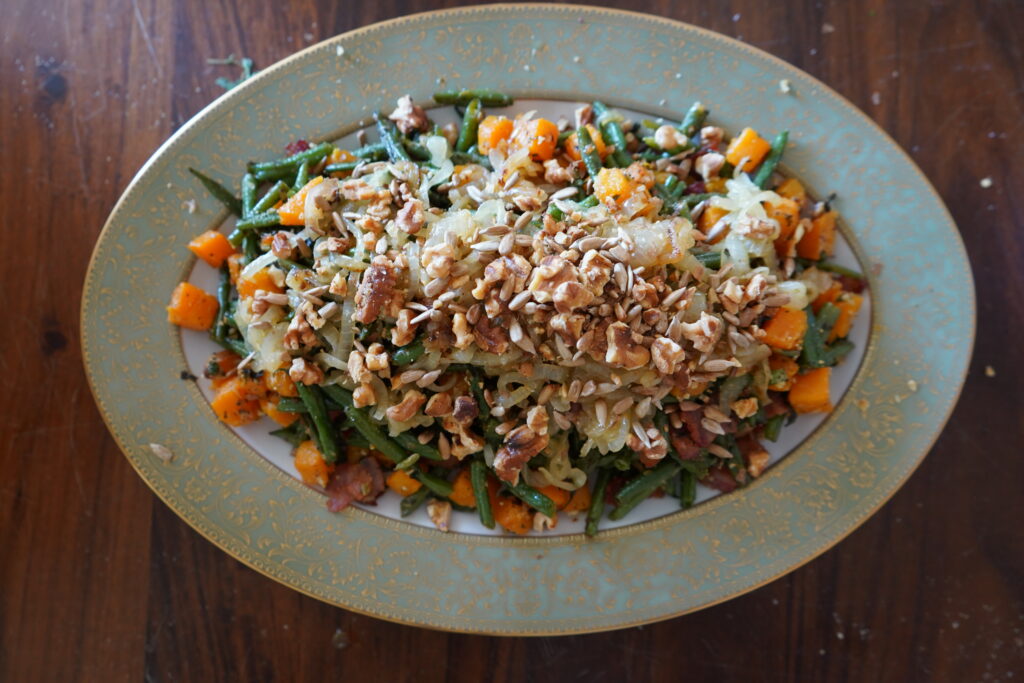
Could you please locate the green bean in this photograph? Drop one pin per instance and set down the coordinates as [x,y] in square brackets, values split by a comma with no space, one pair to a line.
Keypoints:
[692,200]
[838,269]
[220,193]
[250,246]
[220,327]
[590,202]
[235,345]
[476,388]
[259,220]
[478,478]
[612,133]
[302,175]
[470,124]
[314,401]
[290,164]
[287,404]
[555,212]
[248,194]
[694,119]
[596,510]
[471,157]
[375,151]
[417,151]
[412,502]
[731,389]
[688,489]
[270,198]
[290,434]
[638,490]
[438,486]
[411,443]
[341,167]
[365,425]
[534,498]
[836,352]
[408,353]
[390,137]
[709,259]
[773,427]
[488,98]
[764,174]
[588,151]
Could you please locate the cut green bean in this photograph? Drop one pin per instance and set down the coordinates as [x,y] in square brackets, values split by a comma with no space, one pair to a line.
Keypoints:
[641,488]
[590,202]
[838,269]
[471,157]
[219,192]
[470,125]
[694,119]
[773,427]
[314,401]
[534,498]
[413,445]
[220,326]
[302,176]
[390,137]
[341,167]
[588,151]
[271,197]
[373,152]
[290,164]
[248,194]
[250,246]
[596,509]
[441,488]
[709,259]
[478,478]
[412,503]
[266,219]
[286,404]
[688,489]
[408,353]
[612,133]
[488,98]
[365,425]
[291,434]
[764,174]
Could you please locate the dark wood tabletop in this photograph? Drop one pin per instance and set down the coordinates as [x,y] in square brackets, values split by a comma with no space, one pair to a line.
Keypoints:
[100,581]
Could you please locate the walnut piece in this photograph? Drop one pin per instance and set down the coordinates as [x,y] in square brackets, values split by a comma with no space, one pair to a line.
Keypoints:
[513,267]
[408,116]
[465,409]
[667,355]
[520,445]
[411,402]
[708,165]
[669,137]
[556,174]
[375,290]
[463,335]
[299,335]
[595,270]
[411,217]
[438,260]
[440,513]
[622,351]
[376,358]
[363,396]
[357,369]
[704,333]
[305,372]
[490,337]
[757,461]
[404,332]
[569,296]
[745,407]
[552,272]
[439,405]
[281,244]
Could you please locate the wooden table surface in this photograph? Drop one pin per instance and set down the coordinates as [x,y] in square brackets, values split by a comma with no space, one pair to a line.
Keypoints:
[100,581]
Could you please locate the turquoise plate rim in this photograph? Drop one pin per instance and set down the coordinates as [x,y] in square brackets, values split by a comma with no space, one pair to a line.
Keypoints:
[189,480]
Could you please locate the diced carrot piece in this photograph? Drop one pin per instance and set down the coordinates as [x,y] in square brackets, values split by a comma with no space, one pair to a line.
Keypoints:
[402,483]
[291,212]
[848,304]
[282,418]
[560,497]
[212,247]
[261,279]
[708,217]
[786,364]
[827,297]
[612,186]
[818,242]
[791,188]
[492,131]
[786,329]
[579,501]
[280,383]
[462,490]
[220,366]
[572,146]
[314,470]
[787,213]
[235,266]
[237,401]
[541,138]
[747,145]
[512,515]
[810,392]
[191,307]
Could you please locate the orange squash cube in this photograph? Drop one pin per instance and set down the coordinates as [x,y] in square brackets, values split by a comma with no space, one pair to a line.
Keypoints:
[191,307]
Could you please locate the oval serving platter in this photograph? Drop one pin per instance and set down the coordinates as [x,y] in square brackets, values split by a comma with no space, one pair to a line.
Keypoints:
[919,334]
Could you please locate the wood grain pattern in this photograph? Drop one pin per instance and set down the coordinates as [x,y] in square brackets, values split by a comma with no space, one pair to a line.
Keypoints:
[99,581]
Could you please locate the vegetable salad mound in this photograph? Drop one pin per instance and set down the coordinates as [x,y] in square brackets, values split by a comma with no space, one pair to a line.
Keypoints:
[522,317]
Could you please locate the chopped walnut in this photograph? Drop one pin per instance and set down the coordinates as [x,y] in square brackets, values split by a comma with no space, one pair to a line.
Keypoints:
[537,419]
[669,137]
[745,407]
[357,369]
[376,358]
[450,131]
[463,335]
[305,372]
[645,294]
[262,301]
[411,217]
[300,335]
[542,522]
[667,355]
[439,405]
[513,267]
[322,201]
[520,445]
[654,453]
[595,270]
[757,461]
[556,174]
[465,409]
[583,115]
[463,442]
[711,136]
[490,337]
[755,228]
[375,290]
[640,174]
[363,396]
[569,325]
[438,260]
[552,271]
[440,513]
[622,351]
[408,116]
[704,333]
[407,408]
[339,284]
[281,245]
[569,296]
[708,165]
[404,331]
